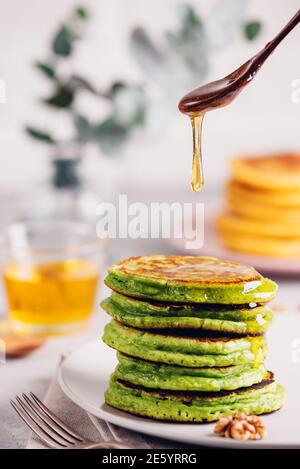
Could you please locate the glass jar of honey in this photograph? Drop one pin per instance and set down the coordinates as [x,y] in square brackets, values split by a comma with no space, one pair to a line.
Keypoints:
[50,272]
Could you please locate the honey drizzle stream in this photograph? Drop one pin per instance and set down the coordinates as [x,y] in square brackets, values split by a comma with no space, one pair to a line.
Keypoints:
[222,92]
[197,179]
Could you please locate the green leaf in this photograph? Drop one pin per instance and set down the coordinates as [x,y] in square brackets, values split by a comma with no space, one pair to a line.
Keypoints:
[83,127]
[140,116]
[252,29]
[63,42]
[40,135]
[81,13]
[190,16]
[115,87]
[110,135]
[76,82]
[62,98]
[128,105]
[46,69]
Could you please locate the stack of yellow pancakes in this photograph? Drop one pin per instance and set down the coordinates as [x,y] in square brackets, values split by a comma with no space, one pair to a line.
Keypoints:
[262,214]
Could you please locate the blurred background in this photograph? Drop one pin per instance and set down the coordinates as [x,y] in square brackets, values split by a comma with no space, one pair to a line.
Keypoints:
[176,46]
[89,111]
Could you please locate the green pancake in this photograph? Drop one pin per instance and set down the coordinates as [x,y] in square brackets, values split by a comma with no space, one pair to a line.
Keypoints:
[186,349]
[177,378]
[192,406]
[189,279]
[151,315]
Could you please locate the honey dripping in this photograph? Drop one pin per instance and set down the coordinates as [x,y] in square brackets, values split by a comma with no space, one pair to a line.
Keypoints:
[222,92]
[197,179]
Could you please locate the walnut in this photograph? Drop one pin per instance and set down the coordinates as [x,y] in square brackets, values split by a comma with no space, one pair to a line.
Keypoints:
[241,427]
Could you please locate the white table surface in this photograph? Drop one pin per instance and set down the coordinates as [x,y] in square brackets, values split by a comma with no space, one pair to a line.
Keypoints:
[34,372]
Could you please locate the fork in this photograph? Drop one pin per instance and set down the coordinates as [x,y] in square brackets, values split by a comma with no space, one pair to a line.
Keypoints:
[51,430]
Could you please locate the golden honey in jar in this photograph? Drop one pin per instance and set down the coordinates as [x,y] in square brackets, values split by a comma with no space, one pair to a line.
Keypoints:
[51,290]
[54,293]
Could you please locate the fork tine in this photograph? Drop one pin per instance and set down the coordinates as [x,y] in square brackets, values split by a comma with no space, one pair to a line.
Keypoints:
[104,429]
[55,419]
[113,432]
[49,421]
[34,427]
[42,425]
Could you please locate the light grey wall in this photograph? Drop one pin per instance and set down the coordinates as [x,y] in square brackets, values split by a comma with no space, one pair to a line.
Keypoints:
[263,118]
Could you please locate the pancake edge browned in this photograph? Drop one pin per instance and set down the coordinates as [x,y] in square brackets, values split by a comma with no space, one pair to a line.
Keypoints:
[198,335]
[190,395]
[208,368]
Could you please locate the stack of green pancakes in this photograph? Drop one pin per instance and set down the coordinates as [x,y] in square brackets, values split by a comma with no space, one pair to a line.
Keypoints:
[189,332]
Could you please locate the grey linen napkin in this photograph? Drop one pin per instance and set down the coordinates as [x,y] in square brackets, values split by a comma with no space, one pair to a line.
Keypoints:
[91,427]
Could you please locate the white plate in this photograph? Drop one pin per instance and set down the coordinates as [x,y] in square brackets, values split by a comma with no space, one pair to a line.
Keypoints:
[84,376]
[213,247]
